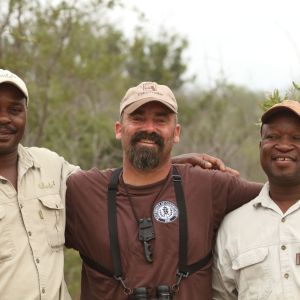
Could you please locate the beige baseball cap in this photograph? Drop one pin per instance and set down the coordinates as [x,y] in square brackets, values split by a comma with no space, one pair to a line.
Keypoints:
[291,105]
[7,76]
[146,92]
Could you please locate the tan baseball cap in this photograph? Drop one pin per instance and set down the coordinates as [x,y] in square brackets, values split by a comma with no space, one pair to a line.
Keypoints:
[146,92]
[7,76]
[291,105]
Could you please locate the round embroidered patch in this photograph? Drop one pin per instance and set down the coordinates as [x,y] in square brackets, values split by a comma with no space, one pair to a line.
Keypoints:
[165,212]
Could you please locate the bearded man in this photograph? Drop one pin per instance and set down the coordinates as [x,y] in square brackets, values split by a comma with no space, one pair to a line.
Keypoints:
[146,230]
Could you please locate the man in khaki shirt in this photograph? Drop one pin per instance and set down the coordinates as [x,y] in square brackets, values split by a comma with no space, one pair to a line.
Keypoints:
[258,246]
[32,201]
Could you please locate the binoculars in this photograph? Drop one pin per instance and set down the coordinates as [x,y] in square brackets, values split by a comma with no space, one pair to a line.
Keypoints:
[163,292]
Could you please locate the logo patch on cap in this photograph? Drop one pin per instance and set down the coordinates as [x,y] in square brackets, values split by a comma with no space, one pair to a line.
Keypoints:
[165,212]
[149,86]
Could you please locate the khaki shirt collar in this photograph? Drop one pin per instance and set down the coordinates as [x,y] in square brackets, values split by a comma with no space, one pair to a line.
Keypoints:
[25,159]
[264,200]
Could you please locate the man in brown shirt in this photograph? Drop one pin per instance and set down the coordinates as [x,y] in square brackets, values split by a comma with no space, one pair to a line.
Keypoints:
[148,230]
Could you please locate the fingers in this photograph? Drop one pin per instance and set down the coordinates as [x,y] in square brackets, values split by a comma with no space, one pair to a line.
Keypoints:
[232,171]
[205,161]
[216,163]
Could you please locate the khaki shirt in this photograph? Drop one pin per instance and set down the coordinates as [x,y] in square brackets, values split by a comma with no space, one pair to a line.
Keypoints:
[258,252]
[32,224]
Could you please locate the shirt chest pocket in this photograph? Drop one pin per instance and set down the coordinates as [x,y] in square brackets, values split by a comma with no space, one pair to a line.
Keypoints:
[53,214]
[7,248]
[254,274]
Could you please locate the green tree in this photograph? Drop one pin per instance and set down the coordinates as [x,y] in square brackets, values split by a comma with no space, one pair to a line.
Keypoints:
[223,122]
[78,66]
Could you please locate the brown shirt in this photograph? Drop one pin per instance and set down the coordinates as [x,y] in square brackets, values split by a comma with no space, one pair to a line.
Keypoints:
[209,196]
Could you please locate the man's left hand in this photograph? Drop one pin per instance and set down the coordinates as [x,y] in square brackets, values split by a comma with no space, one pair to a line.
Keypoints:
[205,161]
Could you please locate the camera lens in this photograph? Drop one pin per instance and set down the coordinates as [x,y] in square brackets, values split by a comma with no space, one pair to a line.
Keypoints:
[164,292]
[140,293]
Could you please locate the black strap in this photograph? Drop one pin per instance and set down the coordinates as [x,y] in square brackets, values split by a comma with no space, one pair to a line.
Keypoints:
[183,237]
[183,268]
[112,222]
[96,266]
[199,264]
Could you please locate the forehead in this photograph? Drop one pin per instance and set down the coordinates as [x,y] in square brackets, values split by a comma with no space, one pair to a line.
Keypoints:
[10,90]
[282,120]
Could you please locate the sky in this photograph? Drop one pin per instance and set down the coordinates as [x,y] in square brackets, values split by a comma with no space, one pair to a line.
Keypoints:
[253,43]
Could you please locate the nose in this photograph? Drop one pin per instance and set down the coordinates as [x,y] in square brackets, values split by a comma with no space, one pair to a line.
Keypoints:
[149,126]
[4,118]
[284,145]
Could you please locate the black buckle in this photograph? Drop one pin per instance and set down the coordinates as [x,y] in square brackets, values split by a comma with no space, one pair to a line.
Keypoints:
[176,177]
[182,274]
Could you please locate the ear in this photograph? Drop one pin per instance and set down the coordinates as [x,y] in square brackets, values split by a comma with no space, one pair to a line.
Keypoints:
[177,134]
[118,130]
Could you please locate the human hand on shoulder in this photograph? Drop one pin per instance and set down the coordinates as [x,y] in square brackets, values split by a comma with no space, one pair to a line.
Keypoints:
[205,161]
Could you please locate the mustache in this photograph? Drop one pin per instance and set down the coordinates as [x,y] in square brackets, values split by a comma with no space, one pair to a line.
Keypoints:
[8,128]
[144,135]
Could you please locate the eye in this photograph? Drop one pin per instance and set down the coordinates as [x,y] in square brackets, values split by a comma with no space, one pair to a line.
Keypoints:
[271,137]
[15,110]
[161,120]
[136,118]
[296,138]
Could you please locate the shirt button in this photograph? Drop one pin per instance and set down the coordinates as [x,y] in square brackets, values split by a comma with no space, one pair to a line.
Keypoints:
[286,275]
[43,290]
[283,220]
[21,206]
[37,261]
[283,247]
[29,233]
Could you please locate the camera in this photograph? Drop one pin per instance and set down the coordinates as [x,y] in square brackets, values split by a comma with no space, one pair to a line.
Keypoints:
[163,292]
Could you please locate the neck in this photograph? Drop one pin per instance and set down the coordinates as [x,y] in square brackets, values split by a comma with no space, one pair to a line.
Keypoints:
[8,161]
[137,177]
[284,196]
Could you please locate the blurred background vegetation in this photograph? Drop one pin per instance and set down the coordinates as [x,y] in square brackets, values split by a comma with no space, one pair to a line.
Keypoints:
[78,64]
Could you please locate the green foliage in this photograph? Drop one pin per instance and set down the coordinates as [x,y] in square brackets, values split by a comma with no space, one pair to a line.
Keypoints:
[221,122]
[271,100]
[145,55]
[73,273]
[78,66]
[292,93]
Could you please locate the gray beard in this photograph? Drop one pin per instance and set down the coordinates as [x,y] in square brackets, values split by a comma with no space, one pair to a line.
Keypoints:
[144,158]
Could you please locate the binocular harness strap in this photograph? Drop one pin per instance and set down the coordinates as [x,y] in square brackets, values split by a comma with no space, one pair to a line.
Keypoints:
[184,270]
[112,222]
